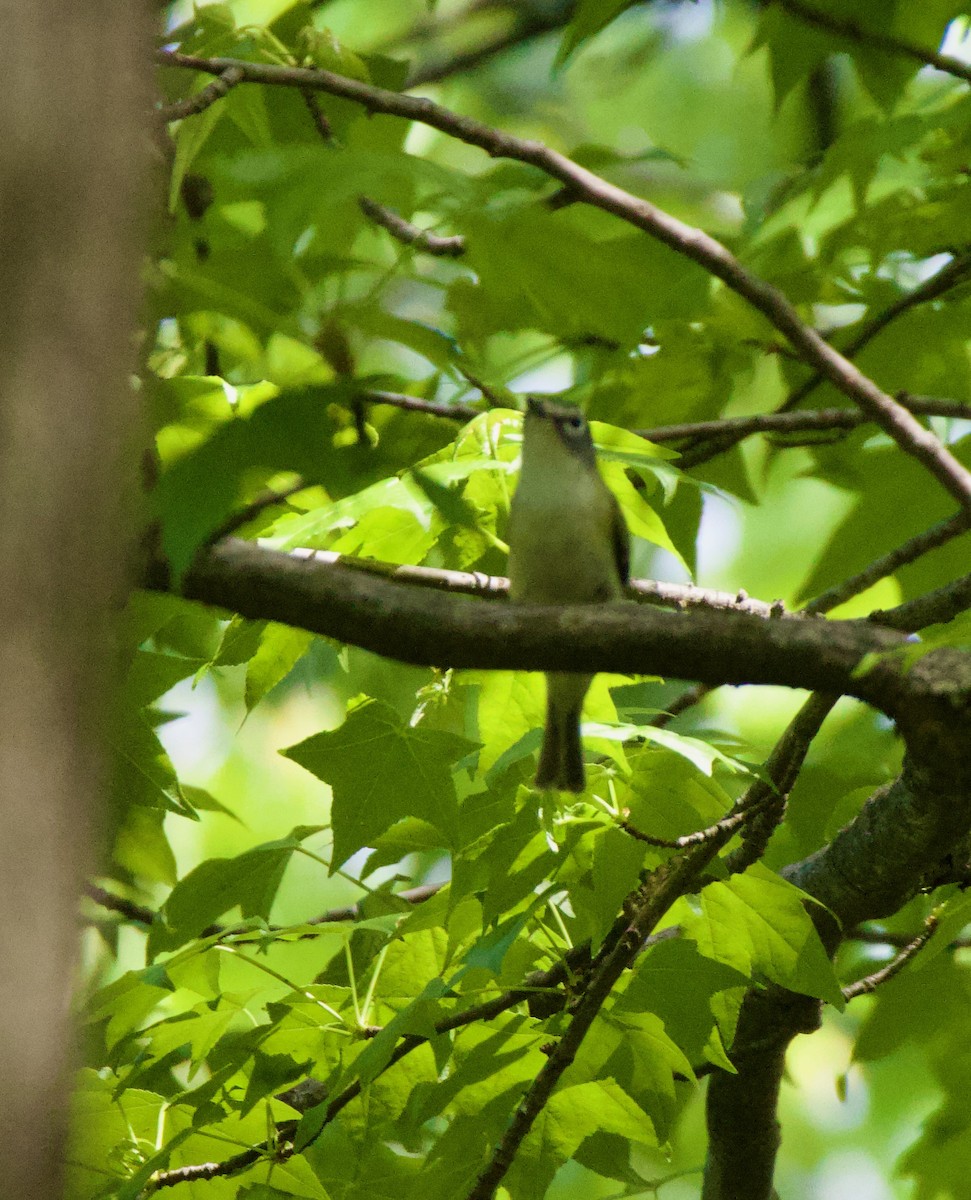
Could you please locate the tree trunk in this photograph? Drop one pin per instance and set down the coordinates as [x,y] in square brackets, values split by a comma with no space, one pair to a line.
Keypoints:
[73,103]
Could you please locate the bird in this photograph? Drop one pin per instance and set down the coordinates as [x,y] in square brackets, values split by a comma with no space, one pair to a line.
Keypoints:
[568,544]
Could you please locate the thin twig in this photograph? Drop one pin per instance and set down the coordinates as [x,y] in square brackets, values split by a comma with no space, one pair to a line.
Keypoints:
[769,798]
[870,983]
[525,30]
[784,423]
[561,972]
[880,937]
[411,235]
[949,276]
[141,915]
[727,824]
[258,505]
[905,553]
[847,28]
[451,412]
[680,596]
[710,445]
[317,115]
[204,98]
[680,704]
[933,608]
[693,243]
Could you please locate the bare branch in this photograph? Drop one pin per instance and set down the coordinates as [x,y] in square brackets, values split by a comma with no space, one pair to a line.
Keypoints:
[870,983]
[949,276]
[577,958]
[881,41]
[203,99]
[880,937]
[728,824]
[317,115]
[680,596]
[451,412]
[768,803]
[644,909]
[258,505]
[694,243]
[907,552]
[128,909]
[531,26]
[142,915]
[411,235]
[688,699]
[934,608]
[786,423]
[431,628]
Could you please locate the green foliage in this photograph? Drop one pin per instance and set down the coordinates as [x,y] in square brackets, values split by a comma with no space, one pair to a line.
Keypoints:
[314,776]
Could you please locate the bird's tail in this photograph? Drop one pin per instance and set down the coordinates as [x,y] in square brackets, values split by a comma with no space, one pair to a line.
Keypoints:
[561,758]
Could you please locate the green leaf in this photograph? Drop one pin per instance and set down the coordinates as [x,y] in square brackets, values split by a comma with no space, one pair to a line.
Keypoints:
[281,648]
[572,1115]
[143,771]
[249,882]
[381,771]
[589,17]
[554,274]
[757,923]
[681,987]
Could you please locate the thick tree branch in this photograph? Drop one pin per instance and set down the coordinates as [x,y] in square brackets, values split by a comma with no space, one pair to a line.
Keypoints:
[870,869]
[589,188]
[418,626]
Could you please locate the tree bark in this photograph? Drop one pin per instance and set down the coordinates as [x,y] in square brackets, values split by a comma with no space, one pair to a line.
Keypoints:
[71,107]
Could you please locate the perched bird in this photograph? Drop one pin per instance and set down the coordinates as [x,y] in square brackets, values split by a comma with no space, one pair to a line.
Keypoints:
[568,544]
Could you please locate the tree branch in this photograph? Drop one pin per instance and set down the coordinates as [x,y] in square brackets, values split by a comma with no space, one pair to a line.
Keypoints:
[949,276]
[589,188]
[411,235]
[871,868]
[203,99]
[140,914]
[645,908]
[870,983]
[426,628]
[881,41]
[887,564]
[575,958]
[934,608]
[680,596]
[532,25]
[781,422]
[452,412]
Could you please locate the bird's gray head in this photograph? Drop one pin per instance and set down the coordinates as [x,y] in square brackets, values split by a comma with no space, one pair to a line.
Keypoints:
[565,421]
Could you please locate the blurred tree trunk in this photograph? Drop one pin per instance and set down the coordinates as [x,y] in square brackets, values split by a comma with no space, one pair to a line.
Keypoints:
[73,103]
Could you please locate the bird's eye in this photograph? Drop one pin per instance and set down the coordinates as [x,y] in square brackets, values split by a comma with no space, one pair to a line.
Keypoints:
[575,422]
